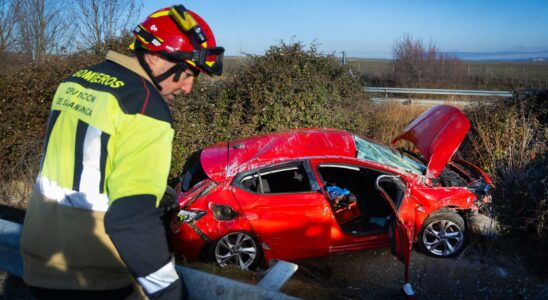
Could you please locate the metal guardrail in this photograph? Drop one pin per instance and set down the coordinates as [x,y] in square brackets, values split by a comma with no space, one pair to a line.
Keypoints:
[10,260]
[480,93]
[200,285]
[427,102]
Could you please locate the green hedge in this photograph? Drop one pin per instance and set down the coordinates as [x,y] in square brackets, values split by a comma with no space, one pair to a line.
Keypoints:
[288,87]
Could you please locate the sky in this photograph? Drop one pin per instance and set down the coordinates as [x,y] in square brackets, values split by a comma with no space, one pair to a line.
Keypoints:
[369,29]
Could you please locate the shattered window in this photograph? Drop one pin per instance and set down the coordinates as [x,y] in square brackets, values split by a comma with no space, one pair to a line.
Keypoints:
[369,150]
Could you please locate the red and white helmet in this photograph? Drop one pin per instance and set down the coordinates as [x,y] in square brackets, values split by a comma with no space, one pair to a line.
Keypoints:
[180,35]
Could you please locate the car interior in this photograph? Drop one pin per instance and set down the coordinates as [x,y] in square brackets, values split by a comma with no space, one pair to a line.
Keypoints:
[372,212]
[289,179]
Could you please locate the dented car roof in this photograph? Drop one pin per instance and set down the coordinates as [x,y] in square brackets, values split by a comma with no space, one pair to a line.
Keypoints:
[224,160]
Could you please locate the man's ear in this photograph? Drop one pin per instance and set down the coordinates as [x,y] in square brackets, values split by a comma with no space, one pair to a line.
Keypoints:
[153,59]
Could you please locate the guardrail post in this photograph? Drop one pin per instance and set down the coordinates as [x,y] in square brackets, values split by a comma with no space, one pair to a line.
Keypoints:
[277,275]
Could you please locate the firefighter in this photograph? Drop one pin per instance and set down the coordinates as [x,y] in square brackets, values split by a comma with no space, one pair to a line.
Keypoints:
[93,227]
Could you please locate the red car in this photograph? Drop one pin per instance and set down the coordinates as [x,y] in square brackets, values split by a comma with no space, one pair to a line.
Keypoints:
[310,192]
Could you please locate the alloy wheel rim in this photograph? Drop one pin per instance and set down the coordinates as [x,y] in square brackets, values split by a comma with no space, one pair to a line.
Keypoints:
[236,249]
[442,238]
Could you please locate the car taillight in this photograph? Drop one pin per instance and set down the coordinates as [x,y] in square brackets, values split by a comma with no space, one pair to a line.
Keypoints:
[223,212]
[190,215]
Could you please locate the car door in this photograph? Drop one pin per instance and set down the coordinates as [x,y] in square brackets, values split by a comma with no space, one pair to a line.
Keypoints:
[401,229]
[286,209]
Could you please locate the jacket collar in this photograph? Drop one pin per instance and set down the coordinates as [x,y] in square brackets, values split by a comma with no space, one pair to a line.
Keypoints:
[130,63]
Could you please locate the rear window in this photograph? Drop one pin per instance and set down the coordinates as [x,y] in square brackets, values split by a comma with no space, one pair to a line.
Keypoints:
[193,173]
[286,179]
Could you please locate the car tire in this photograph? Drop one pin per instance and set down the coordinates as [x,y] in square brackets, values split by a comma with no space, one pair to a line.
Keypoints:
[442,234]
[237,248]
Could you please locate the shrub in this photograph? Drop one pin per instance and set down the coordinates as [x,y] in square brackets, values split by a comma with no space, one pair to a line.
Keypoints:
[26,99]
[288,87]
[509,140]
[419,65]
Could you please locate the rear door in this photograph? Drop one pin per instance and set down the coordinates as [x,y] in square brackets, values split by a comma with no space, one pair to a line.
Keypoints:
[401,230]
[286,209]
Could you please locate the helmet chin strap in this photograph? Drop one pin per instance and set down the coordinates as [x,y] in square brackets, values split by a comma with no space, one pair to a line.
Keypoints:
[177,69]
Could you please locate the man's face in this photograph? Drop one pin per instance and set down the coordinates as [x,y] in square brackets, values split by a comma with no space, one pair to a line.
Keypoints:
[170,87]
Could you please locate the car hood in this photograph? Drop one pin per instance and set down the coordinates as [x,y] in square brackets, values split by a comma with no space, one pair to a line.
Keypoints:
[437,134]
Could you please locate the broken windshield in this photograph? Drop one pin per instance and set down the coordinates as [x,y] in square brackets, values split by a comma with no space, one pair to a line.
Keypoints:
[369,150]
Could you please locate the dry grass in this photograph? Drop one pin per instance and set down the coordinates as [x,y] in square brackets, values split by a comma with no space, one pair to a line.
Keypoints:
[383,122]
[480,74]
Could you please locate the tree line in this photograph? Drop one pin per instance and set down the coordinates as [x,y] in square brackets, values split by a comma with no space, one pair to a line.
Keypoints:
[34,29]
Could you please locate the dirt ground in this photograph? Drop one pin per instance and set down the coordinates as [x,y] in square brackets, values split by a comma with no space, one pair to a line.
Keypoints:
[480,272]
[375,274]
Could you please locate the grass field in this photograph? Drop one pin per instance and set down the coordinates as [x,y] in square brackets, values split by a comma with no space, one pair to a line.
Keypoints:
[482,74]
[523,70]
[511,74]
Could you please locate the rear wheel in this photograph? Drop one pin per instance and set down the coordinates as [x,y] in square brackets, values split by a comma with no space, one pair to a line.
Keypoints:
[442,234]
[237,248]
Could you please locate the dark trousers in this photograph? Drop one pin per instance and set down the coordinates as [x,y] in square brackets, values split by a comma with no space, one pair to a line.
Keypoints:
[43,293]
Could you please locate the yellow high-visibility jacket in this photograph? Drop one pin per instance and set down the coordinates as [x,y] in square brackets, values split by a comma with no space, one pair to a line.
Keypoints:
[108,140]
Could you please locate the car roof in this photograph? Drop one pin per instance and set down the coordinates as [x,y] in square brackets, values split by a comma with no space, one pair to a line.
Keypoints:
[224,160]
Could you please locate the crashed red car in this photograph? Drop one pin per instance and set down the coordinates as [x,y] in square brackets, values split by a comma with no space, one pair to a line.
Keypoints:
[310,192]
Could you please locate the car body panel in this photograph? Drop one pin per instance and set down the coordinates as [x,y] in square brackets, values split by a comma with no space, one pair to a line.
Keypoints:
[437,134]
[224,160]
[213,228]
[295,225]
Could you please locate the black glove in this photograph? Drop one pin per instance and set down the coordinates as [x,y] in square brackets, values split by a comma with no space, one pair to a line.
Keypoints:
[170,201]
[170,206]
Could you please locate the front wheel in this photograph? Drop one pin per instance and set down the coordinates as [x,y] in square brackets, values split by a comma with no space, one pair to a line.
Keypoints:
[237,248]
[442,234]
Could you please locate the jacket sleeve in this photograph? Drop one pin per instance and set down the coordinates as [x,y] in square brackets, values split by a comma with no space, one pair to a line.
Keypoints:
[135,227]
[133,221]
